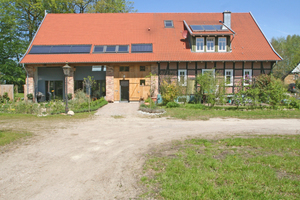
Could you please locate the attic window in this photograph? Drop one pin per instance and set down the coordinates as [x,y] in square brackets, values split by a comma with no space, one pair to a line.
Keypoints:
[168,24]
[60,49]
[111,49]
[141,48]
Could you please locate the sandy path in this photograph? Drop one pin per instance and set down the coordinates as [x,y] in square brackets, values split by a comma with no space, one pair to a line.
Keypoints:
[102,158]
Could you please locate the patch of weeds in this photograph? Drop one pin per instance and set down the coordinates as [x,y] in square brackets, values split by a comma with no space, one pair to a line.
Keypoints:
[261,167]
[8,136]
[118,116]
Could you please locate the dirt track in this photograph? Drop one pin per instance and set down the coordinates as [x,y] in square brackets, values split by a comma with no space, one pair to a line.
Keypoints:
[102,158]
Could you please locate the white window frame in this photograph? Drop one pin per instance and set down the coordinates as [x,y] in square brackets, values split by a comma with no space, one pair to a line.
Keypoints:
[231,77]
[219,42]
[244,75]
[200,50]
[213,48]
[208,70]
[185,76]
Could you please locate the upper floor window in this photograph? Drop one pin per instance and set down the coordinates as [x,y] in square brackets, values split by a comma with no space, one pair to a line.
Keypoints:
[199,44]
[209,71]
[182,78]
[142,68]
[124,69]
[222,44]
[210,44]
[168,23]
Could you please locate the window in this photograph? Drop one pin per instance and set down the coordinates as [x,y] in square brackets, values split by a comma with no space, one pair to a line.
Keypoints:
[142,68]
[222,44]
[210,44]
[228,77]
[111,49]
[199,44]
[141,48]
[124,69]
[247,76]
[142,82]
[168,24]
[123,48]
[182,77]
[211,71]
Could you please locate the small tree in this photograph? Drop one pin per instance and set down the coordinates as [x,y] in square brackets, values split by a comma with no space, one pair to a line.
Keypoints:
[88,82]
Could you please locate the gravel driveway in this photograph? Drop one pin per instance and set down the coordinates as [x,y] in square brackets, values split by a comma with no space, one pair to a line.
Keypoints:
[102,158]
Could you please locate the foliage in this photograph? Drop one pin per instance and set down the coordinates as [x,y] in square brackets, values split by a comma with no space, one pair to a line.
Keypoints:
[30,96]
[70,95]
[289,49]
[170,90]
[172,105]
[211,88]
[232,168]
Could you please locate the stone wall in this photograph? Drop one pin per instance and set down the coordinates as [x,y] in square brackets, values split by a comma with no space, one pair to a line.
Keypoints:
[109,83]
[70,81]
[30,81]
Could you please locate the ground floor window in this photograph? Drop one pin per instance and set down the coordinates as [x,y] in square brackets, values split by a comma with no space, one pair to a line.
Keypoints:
[97,90]
[229,77]
[247,76]
[54,90]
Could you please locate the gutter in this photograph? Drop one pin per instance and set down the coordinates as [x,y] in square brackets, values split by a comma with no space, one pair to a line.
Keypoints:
[265,37]
[33,37]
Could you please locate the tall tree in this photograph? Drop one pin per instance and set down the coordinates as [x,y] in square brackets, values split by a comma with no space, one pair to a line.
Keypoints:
[12,45]
[289,49]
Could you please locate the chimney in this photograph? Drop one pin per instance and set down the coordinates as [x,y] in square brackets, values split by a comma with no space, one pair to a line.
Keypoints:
[227,18]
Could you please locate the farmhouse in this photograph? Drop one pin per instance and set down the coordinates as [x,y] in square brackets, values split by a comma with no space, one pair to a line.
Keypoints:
[119,50]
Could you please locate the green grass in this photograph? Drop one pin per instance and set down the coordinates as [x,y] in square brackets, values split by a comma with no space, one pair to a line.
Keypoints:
[198,114]
[260,167]
[21,95]
[7,136]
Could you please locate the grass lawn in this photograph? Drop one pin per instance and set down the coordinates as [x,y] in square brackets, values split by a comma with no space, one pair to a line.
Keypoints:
[198,114]
[7,136]
[21,95]
[257,167]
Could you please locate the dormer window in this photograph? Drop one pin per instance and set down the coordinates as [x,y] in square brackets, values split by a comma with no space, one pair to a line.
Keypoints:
[222,44]
[210,44]
[168,24]
[199,44]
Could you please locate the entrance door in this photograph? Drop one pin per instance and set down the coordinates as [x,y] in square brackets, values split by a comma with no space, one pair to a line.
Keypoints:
[124,88]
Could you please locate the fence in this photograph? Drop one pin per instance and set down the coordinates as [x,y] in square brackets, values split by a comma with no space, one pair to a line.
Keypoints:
[9,89]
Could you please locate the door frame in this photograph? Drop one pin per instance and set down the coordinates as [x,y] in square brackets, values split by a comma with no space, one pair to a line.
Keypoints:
[121,91]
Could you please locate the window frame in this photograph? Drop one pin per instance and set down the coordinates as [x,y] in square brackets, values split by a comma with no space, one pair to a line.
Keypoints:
[124,68]
[165,22]
[244,75]
[197,45]
[214,42]
[185,76]
[221,50]
[142,68]
[231,77]
[207,70]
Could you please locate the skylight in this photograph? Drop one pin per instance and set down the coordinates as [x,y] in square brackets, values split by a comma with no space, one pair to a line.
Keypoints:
[141,48]
[168,23]
[60,49]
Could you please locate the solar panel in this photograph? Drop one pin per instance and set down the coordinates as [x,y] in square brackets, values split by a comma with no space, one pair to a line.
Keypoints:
[218,27]
[111,49]
[98,49]
[58,49]
[141,48]
[197,27]
[80,49]
[40,49]
[123,48]
[209,28]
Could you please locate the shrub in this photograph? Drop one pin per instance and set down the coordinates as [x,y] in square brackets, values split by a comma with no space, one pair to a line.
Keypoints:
[30,96]
[169,91]
[172,105]
[70,95]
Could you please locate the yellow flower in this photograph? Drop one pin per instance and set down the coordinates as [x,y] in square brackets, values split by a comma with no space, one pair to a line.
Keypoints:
[52,90]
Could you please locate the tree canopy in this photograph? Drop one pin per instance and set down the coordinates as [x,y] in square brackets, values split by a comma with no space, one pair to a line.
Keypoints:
[289,49]
[20,19]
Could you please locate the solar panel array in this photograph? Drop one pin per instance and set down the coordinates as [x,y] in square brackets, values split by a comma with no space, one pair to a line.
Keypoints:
[208,28]
[60,49]
[141,48]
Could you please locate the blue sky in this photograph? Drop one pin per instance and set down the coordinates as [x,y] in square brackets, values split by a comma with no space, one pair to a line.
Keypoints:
[275,17]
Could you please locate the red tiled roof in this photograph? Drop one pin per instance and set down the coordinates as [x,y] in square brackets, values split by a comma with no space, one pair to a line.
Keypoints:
[126,28]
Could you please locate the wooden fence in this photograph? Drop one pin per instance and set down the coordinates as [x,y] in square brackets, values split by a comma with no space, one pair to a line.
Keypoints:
[9,89]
